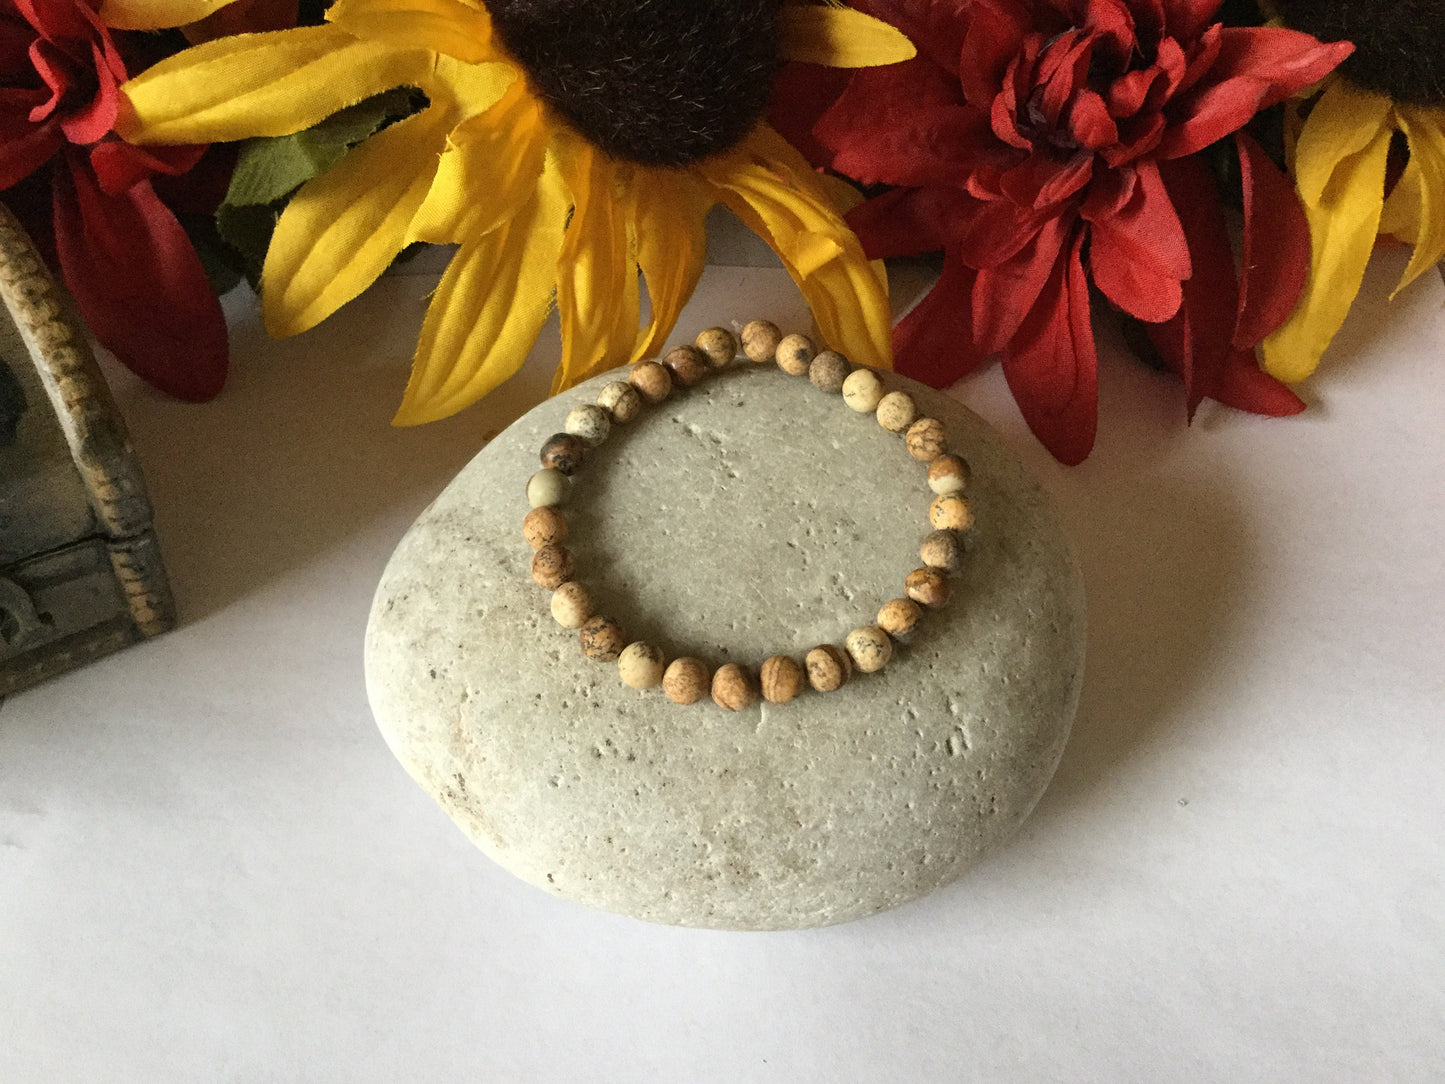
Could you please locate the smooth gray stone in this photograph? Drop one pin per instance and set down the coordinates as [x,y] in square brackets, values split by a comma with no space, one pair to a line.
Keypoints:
[749,516]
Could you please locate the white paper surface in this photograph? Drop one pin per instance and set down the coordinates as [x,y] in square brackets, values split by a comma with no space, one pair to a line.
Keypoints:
[211,868]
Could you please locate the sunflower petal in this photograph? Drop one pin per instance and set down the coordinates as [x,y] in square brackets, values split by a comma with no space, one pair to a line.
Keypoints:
[1426,135]
[1343,202]
[488,310]
[444,26]
[156,14]
[668,209]
[839,37]
[260,85]
[1345,121]
[344,228]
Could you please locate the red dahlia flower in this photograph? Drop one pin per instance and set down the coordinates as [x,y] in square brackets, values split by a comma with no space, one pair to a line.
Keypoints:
[121,251]
[1047,145]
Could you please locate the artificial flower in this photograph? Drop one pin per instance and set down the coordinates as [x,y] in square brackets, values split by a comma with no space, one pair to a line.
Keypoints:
[119,247]
[536,208]
[1343,141]
[1047,146]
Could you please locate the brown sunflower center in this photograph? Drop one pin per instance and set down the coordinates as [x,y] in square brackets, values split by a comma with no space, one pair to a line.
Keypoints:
[1397,46]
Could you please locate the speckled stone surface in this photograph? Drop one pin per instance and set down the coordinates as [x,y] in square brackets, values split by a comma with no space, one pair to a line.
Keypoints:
[749,516]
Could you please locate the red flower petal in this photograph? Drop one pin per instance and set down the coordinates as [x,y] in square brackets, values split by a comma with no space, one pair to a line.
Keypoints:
[1137,254]
[139,283]
[1004,295]
[24,147]
[1052,367]
[1243,385]
[1276,246]
[801,94]
[1185,20]
[905,221]
[120,165]
[934,342]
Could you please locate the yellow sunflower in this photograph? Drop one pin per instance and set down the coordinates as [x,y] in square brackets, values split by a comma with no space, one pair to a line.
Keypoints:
[538,211]
[1340,153]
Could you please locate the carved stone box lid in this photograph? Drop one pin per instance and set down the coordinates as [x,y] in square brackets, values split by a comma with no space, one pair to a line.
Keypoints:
[80,570]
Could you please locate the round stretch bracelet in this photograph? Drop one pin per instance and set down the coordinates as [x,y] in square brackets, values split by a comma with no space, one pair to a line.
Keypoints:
[686,680]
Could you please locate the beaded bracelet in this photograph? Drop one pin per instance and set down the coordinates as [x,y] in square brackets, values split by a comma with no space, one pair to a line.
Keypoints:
[780,679]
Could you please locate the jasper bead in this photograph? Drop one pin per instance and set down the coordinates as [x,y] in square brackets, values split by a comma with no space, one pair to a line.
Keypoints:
[950,512]
[551,567]
[828,667]
[564,452]
[589,423]
[686,680]
[732,687]
[760,340]
[927,586]
[862,391]
[652,381]
[544,526]
[547,487]
[828,371]
[719,344]
[869,648]
[926,439]
[687,364]
[621,400]
[942,550]
[571,605]
[781,679]
[640,666]
[896,411]
[899,618]
[602,639]
[795,353]
[948,474]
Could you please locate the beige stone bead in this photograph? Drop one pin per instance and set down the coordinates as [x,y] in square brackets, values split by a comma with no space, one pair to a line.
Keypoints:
[602,638]
[926,439]
[640,666]
[781,679]
[760,340]
[928,587]
[544,526]
[571,605]
[732,687]
[828,667]
[621,400]
[899,618]
[564,452]
[652,381]
[547,487]
[896,411]
[942,550]
[795,353]
[869,648]
[948,474]
[686,680]
[589,423]
[950,512]
[687,364]
[551,567]
[862,391]
[828,371]
[719,344]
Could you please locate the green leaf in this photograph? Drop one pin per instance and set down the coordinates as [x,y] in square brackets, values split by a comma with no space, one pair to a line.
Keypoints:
[247,229]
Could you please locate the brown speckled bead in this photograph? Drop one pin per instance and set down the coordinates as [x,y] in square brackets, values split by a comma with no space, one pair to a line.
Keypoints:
[942,550]
[640,666]
[862,391]
[927,586]
[948,474]
[795,353]
[926,439]
[621,400]
[551,567]
[571,605]
[828,667]
[602,639]
[732,687]
[869,648]
[686,680]
[687,364]
[781,679]
[950,512]
[899,618]
[544,526]
[652,381]
[760,340]
[564,452]
[828,371]
[896,411]
[719,344]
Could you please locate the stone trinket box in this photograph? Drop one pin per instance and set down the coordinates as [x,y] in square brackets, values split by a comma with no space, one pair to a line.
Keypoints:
[80,569]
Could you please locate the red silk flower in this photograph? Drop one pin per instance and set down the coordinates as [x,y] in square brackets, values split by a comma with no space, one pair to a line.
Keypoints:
[122,253]
[1050,145]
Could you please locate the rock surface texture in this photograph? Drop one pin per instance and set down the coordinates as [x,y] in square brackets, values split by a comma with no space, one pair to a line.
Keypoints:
[750,516]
